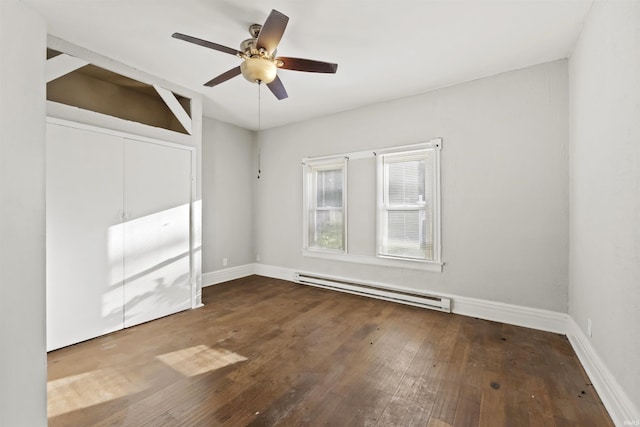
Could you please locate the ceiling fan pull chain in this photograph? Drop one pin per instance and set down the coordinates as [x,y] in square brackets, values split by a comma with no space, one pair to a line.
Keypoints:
[259,124]
[259,105]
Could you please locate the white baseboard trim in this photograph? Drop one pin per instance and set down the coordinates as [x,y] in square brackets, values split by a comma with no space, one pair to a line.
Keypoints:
[274,272]
[534,318]
[224,275]
[618,404]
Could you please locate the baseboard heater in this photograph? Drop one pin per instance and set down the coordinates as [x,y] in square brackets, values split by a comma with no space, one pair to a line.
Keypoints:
[376,291]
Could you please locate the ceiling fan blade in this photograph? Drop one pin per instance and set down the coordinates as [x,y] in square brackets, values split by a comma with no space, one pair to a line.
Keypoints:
[272,31]
[223,77]
[205,43]
[277,88]
[309,65]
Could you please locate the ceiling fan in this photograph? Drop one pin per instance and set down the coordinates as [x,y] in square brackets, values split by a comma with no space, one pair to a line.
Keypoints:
[260,63]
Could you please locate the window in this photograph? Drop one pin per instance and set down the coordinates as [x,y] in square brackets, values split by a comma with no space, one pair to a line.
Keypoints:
[408,204]
[325,205]
[395,220]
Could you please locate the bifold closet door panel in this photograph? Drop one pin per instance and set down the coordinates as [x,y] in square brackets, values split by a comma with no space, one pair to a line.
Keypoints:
[157,196]
[84,235]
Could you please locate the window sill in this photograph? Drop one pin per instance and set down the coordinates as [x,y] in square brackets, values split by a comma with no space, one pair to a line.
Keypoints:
[378,261]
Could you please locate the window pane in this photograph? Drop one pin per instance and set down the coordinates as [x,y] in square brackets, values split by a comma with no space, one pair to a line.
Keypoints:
[406,180]
[326,229]
[329,188]
[408,234]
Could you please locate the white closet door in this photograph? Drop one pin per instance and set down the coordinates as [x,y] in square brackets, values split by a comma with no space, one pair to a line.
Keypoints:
[84,235]
[156,231]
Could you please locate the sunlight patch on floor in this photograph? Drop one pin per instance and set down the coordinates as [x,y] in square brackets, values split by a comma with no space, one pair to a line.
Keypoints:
[87,389]
[200,359]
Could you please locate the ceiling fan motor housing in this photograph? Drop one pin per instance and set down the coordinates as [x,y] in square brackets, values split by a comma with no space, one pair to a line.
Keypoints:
[258,66]
[248,47]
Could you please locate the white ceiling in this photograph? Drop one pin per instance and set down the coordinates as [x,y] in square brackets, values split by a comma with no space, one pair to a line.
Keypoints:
[385,49]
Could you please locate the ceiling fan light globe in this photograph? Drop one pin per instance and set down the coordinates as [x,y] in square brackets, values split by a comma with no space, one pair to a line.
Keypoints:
[258,70]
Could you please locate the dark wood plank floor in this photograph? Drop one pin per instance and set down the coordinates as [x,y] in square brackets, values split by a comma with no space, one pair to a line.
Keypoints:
[267,352]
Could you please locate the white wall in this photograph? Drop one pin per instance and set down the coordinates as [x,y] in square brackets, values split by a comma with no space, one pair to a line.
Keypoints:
[604,261]
[23,369]
[504,196]
[227,205]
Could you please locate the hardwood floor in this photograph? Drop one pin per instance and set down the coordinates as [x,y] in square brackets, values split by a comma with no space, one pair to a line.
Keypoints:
[266,352]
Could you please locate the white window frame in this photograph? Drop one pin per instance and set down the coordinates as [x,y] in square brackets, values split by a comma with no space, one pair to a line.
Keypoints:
[435,145]
[310,167]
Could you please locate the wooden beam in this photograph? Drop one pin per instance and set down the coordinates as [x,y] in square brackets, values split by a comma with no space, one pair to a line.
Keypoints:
[176,108]
[62,64]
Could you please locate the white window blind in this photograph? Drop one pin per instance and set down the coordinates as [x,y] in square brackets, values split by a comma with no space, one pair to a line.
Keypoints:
[408,204]
[325,205]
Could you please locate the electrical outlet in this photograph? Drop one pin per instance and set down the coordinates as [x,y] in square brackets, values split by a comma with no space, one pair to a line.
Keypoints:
[225,261]
[258,258]
[589,328]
